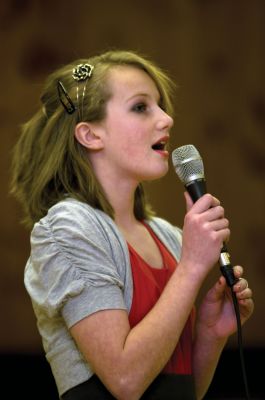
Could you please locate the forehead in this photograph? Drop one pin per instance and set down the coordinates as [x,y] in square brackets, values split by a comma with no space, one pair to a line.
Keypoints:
[125,81]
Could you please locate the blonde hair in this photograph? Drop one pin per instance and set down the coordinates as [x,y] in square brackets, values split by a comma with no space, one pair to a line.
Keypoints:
[49,163]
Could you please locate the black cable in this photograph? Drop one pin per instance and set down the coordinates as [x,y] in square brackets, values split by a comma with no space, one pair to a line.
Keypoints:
[240,343]
[227,271]
[189,167]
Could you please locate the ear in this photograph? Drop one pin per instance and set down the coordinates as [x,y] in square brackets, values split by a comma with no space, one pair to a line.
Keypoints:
[84,134]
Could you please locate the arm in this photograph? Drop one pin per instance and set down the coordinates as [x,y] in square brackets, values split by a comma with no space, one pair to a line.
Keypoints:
[216,322]
[127,360]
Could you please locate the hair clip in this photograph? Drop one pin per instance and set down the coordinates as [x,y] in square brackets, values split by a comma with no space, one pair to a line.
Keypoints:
[82,71]
[65,98]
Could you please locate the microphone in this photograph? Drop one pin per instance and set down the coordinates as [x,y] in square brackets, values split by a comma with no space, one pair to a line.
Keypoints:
[189,167]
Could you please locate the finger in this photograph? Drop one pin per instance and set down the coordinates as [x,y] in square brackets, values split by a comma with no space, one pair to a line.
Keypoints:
[238,271]
[246,309]
[241,285]
[216,212]
[205,202]
[189,202]
[219,288]
[245,294]
[218,224]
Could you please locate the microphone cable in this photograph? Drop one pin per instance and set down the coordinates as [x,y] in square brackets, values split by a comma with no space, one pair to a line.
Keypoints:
[189,168]
[240,344]
[227,271]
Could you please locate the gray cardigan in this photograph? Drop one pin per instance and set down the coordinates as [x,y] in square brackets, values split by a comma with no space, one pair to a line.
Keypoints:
[79,264]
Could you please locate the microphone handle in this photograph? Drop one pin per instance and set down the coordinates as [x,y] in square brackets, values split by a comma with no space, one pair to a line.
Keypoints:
[197,189]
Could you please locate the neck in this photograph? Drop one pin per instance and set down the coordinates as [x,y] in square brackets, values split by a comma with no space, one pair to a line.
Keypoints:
[122,201]
[120,192]
[120,195]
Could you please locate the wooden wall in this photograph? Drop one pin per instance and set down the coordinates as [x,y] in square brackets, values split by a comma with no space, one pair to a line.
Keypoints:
[215,50]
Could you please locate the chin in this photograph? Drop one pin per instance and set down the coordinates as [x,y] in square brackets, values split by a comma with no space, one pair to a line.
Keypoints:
[157,174]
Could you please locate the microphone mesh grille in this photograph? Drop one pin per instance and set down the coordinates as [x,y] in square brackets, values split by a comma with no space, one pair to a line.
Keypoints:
[188,163]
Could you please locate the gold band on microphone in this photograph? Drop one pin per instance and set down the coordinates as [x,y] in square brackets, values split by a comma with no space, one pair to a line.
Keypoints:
[224,259]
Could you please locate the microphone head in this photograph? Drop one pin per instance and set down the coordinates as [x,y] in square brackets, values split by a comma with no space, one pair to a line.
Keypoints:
[188,163]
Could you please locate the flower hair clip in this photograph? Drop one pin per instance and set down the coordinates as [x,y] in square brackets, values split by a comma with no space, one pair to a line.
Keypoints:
[82,72]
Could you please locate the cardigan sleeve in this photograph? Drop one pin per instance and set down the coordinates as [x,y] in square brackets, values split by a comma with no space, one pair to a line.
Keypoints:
[71,271]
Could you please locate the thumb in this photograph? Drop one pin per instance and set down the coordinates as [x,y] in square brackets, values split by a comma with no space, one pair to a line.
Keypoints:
[217,291]
[189,202]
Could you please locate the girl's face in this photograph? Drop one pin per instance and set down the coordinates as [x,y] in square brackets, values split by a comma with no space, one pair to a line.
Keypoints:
[136,129]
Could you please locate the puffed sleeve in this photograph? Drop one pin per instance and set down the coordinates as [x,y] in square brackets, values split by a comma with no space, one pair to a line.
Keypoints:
[71,271]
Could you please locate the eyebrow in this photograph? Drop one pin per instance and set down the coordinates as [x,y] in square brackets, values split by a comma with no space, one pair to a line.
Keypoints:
[141,95]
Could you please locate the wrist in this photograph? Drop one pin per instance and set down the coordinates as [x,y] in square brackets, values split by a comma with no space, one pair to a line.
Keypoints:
[194,270]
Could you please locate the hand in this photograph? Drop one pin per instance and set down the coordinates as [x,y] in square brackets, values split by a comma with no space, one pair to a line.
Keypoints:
[204,232]
[216,315]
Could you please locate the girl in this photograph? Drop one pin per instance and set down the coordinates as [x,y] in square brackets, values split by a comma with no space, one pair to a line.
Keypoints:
[113,287]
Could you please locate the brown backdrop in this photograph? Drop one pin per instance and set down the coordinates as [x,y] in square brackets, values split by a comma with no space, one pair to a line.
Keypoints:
[214,50]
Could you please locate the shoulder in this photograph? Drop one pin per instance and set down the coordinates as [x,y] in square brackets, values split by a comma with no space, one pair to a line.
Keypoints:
[75,211]
[75,228]
[74,261]
[74,218]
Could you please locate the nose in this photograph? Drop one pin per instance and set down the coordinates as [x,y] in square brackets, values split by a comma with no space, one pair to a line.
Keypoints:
[165,121]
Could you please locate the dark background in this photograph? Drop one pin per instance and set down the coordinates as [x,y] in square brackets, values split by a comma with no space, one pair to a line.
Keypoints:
[215,51]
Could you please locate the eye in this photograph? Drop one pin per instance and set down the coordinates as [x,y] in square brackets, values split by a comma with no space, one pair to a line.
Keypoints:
[139,107]
[161,104]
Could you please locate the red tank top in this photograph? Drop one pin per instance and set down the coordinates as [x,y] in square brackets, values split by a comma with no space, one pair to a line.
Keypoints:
[148,284]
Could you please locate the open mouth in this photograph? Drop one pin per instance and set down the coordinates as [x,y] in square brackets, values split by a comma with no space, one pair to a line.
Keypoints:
[160,145]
